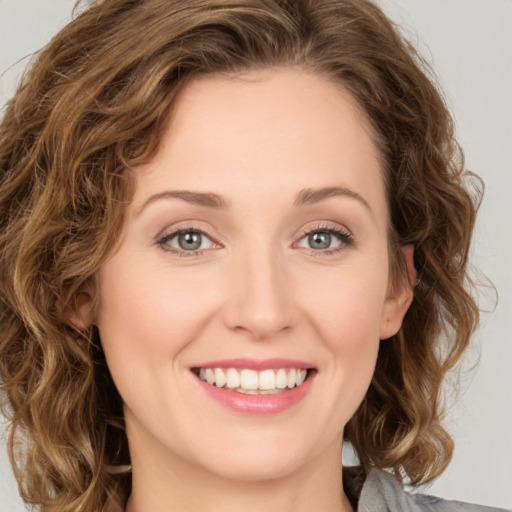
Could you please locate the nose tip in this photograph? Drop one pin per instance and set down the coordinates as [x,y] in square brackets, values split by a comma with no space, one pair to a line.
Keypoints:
[261,325]
[259,302]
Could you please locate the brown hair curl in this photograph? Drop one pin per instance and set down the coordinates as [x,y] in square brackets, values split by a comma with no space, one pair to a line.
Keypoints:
[93,104]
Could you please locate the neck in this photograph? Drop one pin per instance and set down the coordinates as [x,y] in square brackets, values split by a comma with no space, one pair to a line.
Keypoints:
[168,483]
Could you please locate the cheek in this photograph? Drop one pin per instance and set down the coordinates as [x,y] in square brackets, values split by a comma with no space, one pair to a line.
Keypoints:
[347,304]
[346,310]
[146,312]
[147,319]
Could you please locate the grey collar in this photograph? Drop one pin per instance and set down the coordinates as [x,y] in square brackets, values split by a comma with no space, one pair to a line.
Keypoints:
[381,492]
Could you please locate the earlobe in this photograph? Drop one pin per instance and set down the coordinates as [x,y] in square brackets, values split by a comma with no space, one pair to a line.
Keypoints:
[399,297]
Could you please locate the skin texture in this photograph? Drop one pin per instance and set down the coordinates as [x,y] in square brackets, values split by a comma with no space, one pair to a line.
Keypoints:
[255,289]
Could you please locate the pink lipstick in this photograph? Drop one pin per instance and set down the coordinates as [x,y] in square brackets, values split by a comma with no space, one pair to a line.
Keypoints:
[257,387]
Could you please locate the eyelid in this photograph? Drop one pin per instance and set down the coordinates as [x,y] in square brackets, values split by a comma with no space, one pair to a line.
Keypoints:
[170,232]
[344,235]
[325,226]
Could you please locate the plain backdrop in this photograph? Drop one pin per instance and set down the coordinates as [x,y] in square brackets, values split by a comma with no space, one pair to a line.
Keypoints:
[469,43]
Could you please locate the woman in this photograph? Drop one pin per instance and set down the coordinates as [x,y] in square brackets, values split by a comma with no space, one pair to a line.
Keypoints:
[232,254]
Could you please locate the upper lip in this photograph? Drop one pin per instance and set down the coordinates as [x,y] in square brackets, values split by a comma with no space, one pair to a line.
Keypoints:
[256,364]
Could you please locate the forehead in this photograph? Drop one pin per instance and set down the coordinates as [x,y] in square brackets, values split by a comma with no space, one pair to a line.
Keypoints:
[286,127]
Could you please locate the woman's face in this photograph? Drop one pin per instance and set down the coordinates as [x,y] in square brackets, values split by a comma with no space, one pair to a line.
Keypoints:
[255,246]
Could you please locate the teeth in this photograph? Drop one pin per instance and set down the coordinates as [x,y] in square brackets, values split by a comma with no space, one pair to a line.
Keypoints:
[300,377]
[267,380]
[258,391]
[220,378]
[251,382]
[281,379]
[210,376]
[291,378]
[249,379]
[232,378]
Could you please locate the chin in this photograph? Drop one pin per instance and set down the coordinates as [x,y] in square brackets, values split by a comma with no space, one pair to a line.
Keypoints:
[261,459]
[251,470]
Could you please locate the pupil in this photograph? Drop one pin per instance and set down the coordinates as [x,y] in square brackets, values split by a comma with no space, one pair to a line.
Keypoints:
[189,241]
[320,240]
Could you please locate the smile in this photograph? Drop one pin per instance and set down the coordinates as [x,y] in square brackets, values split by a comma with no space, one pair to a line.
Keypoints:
[254,386]
[252,382]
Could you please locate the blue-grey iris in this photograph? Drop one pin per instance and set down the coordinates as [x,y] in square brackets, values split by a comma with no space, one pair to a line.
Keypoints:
[189,241]
[319,240]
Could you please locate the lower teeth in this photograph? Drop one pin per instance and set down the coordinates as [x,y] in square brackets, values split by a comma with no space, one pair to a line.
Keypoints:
[258,391]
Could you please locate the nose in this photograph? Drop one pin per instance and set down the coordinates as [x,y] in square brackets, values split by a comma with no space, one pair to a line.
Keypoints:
[259,298]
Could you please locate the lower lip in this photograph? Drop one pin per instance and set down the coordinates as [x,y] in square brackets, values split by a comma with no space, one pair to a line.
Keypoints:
[258,404]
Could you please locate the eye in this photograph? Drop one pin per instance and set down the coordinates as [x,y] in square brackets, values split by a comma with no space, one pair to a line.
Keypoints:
[326,239]
[186,240]
[319,240]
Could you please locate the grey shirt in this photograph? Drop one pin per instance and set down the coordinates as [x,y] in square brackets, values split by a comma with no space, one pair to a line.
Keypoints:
[381,492]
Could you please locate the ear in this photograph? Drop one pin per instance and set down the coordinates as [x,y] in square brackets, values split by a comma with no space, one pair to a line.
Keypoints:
[399,298]
[79,311]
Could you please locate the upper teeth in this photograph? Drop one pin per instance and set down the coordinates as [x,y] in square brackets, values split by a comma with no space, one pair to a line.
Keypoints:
[251,380]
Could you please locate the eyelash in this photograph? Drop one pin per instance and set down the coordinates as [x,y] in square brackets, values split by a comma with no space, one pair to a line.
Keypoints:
[162,241]
[345,237]
[346,240]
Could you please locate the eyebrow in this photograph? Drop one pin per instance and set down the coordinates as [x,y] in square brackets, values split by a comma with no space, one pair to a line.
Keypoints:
[206,199]
[210,200]
[315,195]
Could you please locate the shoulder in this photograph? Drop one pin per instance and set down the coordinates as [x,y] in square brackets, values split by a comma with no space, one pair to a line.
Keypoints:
[381,492]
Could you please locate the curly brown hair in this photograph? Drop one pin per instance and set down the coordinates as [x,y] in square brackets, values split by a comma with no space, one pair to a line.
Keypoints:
[92,105]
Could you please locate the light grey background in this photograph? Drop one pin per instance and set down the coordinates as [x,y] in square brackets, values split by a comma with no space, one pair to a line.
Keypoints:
[470,45]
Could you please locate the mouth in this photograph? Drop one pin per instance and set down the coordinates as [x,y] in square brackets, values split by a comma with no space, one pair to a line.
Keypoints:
[248,381]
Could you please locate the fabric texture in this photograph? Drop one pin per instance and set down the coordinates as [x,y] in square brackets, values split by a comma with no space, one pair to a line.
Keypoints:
[381,492]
